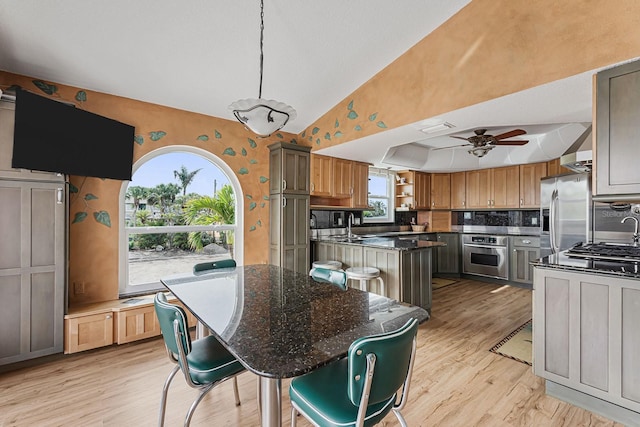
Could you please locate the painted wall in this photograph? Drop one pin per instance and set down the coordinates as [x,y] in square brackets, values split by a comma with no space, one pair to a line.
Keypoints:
[489,49]
[94,203]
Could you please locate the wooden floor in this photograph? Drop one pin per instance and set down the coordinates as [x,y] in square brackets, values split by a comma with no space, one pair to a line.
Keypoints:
[457,381]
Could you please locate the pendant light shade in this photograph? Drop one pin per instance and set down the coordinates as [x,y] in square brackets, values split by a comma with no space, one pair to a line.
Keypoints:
[481,151]
[262,116]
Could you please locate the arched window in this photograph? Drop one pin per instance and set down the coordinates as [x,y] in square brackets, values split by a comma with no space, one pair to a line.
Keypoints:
[182,206]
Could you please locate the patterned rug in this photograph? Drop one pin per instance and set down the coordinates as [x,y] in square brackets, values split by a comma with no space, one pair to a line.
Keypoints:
[439,282]
[517,345]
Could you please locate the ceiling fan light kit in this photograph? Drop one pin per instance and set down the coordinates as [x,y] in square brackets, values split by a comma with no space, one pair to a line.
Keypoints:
[483,143]
[262,116]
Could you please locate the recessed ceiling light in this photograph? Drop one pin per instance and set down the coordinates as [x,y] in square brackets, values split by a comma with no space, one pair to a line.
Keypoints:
[437,128]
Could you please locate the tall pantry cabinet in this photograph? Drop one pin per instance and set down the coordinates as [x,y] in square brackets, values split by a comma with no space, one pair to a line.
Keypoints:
[33,226]
[289,200]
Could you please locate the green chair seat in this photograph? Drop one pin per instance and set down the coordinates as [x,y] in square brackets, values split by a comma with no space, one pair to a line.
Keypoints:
[310,393]
[210,362]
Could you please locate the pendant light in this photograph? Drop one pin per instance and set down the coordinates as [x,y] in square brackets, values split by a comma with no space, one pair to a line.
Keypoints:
[262,116]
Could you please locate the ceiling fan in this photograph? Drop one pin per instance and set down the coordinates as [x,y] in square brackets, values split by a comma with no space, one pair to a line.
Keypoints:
[483,143]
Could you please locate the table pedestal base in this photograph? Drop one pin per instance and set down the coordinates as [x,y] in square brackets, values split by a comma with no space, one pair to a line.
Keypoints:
[270,402]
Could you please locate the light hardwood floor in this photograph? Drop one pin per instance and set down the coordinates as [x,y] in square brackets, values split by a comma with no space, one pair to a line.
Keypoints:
[457,381]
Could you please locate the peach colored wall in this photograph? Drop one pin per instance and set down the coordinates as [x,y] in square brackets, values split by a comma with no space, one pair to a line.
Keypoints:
[93,246]
[489,49]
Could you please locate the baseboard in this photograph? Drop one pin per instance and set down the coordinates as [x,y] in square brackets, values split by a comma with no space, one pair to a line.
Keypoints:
[593,404]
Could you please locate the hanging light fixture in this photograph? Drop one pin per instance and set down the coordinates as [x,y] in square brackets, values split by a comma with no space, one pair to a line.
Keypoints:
[262,116]
[481,151]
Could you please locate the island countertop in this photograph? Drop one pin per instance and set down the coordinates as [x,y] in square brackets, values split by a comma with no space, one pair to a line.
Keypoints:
[401,242]
[562,261]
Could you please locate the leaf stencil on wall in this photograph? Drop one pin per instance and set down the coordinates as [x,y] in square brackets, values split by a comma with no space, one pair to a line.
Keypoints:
[139,139]
[73,188]
[203,138]
[157,135]
[337,124]
[381,124]
[263,179]
[81,96]
[259,223]
[243,171]
[338,134]
[103,218]
[252,143]
[262,204]
[318,141]
[303,134]
[229,152]
[358,127]
[218,135]
[252,205]
[47,88]
[79,217]
[90,196]
[315,130]
[244,152]
[253,161]
[350,105]
[249,196]
[373,117]
[252,228]
[279,135]
[327,136]
[352,115]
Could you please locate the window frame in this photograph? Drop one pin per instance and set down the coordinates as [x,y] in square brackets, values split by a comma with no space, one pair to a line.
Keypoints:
[125,231]
[389,197]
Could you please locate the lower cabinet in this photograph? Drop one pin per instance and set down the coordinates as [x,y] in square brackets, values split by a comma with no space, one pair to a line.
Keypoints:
[448,257]
[136,324]
[88,331]
[523,251]
[586,335]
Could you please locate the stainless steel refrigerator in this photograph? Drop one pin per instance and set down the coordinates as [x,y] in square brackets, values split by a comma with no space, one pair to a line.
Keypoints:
[566,212]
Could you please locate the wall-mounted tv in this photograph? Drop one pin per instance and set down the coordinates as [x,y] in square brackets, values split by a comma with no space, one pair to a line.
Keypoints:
[56,137]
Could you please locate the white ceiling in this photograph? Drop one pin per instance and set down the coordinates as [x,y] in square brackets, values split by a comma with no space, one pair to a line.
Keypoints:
[201,55]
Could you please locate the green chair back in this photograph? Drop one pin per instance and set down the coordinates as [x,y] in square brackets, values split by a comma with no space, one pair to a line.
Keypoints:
[392,352]
[167,315]
[213,265]
[334,277]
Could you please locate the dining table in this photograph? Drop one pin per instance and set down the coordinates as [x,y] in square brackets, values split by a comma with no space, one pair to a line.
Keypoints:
[281,324]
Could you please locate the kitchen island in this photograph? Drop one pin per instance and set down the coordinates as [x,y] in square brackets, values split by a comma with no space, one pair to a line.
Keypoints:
[586,335]
[403,259]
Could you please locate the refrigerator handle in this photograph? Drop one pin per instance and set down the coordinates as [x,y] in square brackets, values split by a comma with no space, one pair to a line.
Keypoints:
[552,222]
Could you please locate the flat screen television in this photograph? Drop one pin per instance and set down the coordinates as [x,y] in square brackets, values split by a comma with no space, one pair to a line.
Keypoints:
[53,136]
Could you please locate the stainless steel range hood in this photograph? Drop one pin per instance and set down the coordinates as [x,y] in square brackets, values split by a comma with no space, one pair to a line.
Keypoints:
[579,156]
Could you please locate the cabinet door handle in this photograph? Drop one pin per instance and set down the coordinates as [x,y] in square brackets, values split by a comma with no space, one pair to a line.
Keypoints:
[521,202]
[526,241]
[108,316]
[284,184]
[59,196]
[284,202]
[312,187]
[463,203]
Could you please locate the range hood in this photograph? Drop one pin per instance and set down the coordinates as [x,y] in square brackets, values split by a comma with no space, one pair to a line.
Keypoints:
[579,157]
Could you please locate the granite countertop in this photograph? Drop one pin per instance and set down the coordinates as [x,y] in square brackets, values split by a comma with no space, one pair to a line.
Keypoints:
[403,241]
[610,268]
[281,324]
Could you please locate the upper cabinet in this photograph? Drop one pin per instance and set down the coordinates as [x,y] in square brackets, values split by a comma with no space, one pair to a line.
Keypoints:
[506,187]
[440,191]
[479,188]
[617,132]
[530,176]
[413,190]
[288,169]
[339,182]
[458,191]
[422,190]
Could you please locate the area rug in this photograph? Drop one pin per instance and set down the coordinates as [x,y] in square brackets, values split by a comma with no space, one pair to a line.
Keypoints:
[517,345]
[439,282]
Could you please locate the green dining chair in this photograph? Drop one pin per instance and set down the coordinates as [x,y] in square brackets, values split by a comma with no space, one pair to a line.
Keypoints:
[361,389]
[334,277]
[205,363]
[213,265]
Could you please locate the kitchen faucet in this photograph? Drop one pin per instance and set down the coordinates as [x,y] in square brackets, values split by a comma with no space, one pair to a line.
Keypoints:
[636,236]
[350,221]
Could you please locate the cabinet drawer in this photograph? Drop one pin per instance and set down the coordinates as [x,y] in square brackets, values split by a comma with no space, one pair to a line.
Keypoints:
[136,324]
[529,242]
[88,332]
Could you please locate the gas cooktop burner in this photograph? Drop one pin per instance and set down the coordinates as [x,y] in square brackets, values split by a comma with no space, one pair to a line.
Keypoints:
[605,251]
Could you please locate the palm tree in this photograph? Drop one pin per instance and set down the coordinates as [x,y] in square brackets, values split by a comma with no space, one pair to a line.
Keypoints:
[206,210]
[136,194]
[185,177]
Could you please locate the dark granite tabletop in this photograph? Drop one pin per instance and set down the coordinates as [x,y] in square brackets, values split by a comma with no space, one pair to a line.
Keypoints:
[612,268]
[281,324]
[407,241]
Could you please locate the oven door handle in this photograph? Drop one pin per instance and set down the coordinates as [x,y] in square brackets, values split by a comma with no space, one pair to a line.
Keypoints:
[471,245]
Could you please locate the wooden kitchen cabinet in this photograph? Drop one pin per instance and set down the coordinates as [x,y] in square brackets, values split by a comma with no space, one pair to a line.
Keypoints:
[342,178]
[505,187]
[321,175]
[554,168]
[440,191]
[422,189]
[585,335]
[136,324]
[458,190]
[616,130]
[88,331]
[530,176]
[360,184]
[478,183]
[416,188]
[447,257]
[288,169]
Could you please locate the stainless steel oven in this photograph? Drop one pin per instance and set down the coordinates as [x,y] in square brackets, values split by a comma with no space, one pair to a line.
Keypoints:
[485,255]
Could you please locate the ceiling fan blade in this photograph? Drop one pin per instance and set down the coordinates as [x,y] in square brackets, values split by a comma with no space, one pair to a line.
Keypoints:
[511,133]
[509,142]
[453,146]
[458,137]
